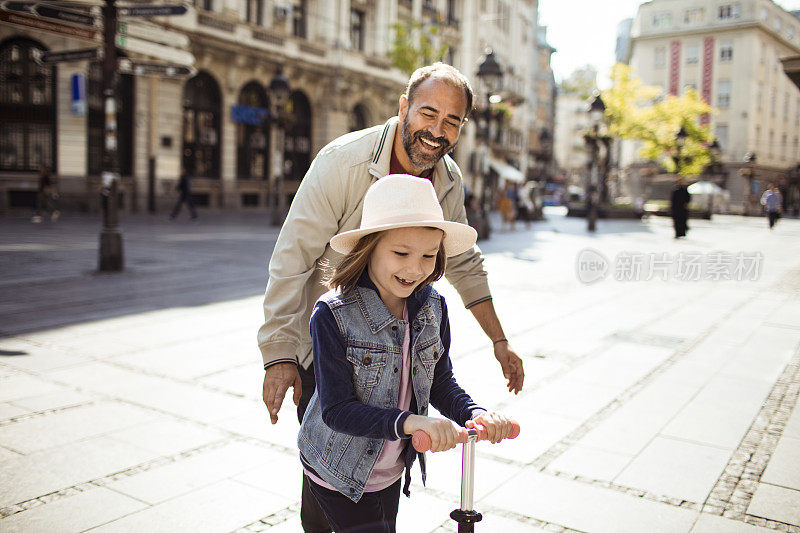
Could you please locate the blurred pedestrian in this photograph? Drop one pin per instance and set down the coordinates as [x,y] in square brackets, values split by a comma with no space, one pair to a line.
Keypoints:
[772,202]
[185,188]
[679,206]
[46,196]
[506,204]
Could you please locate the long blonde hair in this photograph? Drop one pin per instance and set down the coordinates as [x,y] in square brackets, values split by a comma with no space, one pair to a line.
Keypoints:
[345,274]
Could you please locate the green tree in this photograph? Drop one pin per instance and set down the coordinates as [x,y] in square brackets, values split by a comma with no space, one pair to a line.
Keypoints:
[409,54]
[639,112]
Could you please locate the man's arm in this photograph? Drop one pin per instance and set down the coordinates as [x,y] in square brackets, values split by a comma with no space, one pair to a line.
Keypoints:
[510,362]
[312,220]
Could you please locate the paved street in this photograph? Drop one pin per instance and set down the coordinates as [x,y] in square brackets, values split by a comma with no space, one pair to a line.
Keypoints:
[661,381]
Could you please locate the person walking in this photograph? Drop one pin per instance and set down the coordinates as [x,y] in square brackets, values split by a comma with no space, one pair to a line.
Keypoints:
[435,105]
[184,186]
[46,196]
[385,277]
[679,207]
[772,200]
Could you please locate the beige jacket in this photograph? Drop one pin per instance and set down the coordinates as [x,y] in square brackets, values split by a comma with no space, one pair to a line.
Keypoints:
[329,201]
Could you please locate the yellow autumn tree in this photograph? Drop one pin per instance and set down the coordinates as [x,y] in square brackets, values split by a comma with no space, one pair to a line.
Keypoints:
[639,112]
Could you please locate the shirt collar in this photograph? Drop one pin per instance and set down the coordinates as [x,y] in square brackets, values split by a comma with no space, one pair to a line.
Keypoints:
[377,309]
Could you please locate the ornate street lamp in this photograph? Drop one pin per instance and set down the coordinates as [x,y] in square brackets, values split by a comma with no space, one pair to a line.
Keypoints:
[279,90]
[593,138]
[490,73]
[680,142]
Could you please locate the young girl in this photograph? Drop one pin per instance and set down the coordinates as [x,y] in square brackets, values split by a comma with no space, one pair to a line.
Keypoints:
[381,339]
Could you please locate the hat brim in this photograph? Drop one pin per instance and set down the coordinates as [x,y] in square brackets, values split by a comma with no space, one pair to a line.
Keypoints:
[458,238]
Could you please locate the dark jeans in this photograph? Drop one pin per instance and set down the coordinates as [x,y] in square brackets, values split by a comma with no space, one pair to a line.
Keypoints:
[184,198]
[311,515]
[375,512]
[773,218]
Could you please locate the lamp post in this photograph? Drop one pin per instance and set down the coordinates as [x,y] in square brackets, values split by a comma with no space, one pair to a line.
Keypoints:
[279,90]
[593,138]
[110,256]
[680,142]
[490,73]
[749,172]
[713,171]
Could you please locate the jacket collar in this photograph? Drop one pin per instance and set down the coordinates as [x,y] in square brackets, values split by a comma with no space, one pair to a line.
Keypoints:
[375,311]
[443,179]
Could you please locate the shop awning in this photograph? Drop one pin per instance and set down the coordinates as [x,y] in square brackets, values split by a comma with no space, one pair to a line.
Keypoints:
[505,171]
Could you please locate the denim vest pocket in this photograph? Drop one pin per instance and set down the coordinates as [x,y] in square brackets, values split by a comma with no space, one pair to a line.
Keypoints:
[368,364]
[429,354]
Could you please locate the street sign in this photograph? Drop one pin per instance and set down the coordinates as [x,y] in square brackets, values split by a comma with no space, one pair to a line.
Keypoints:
[152,10]
[72,55]
[42,24]
[64,15]
[159,51]
[160,70]
[153,33]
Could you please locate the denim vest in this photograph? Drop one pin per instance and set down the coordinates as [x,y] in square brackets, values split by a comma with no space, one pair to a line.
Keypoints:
[374,339]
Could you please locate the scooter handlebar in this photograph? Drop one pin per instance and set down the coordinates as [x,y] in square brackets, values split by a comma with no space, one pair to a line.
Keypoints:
[422,441]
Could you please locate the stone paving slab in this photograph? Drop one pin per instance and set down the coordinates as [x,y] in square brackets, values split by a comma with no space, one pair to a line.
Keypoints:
[96,506]
[784,465]
[586,508]
[707,523]
[776,503]
[655,469]
[223,506]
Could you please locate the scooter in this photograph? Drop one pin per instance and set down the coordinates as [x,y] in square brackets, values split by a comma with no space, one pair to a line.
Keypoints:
[465,516]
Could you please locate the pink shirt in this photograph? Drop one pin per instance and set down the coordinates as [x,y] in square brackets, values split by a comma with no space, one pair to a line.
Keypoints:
[390,463]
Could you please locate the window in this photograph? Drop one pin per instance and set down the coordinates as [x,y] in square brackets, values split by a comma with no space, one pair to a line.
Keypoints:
[783,146]
[254,12]
[796,148]
[763,52]
[786,106]
[776,24]
[357,30]
[27,94]
[692,54]
[758,136]
[662,20]
[299,22]
[690,85]
[726,51]
[773,98]
[660,57]
[763,15]
[760,98]
[771,143]
[208,5]
[790,33]
[723,93]
[797,113]
[721,132]
[695,15]
[728,11]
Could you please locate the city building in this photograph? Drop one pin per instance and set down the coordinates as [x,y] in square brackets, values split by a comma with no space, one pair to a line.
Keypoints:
[623,47]
[731,53]
[572,121]
[220,122]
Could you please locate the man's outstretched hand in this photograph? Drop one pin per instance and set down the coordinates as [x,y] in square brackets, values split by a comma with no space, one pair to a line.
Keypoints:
[277,380]
[511,364]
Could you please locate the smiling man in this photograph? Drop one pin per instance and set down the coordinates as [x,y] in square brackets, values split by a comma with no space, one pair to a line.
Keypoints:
[433,109]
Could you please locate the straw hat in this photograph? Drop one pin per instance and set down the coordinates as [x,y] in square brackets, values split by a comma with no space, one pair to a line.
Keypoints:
[403,201]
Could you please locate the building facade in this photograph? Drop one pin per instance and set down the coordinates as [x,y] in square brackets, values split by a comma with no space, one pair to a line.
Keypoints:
[217,123]
[730,52]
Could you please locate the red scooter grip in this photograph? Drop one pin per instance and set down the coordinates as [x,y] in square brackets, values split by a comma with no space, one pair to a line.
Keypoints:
[422,441]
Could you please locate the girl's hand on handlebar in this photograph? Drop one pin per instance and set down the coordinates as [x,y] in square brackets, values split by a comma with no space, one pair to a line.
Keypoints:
[497,426]
[443,433]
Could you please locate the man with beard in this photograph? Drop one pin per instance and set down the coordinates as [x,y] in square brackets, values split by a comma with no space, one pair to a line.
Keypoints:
[432,111]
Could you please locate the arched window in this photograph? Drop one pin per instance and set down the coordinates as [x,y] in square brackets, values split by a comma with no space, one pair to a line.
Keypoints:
[96,121]
[297,149]
[359,118]
[27,107]
[201,126]
[252,133]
